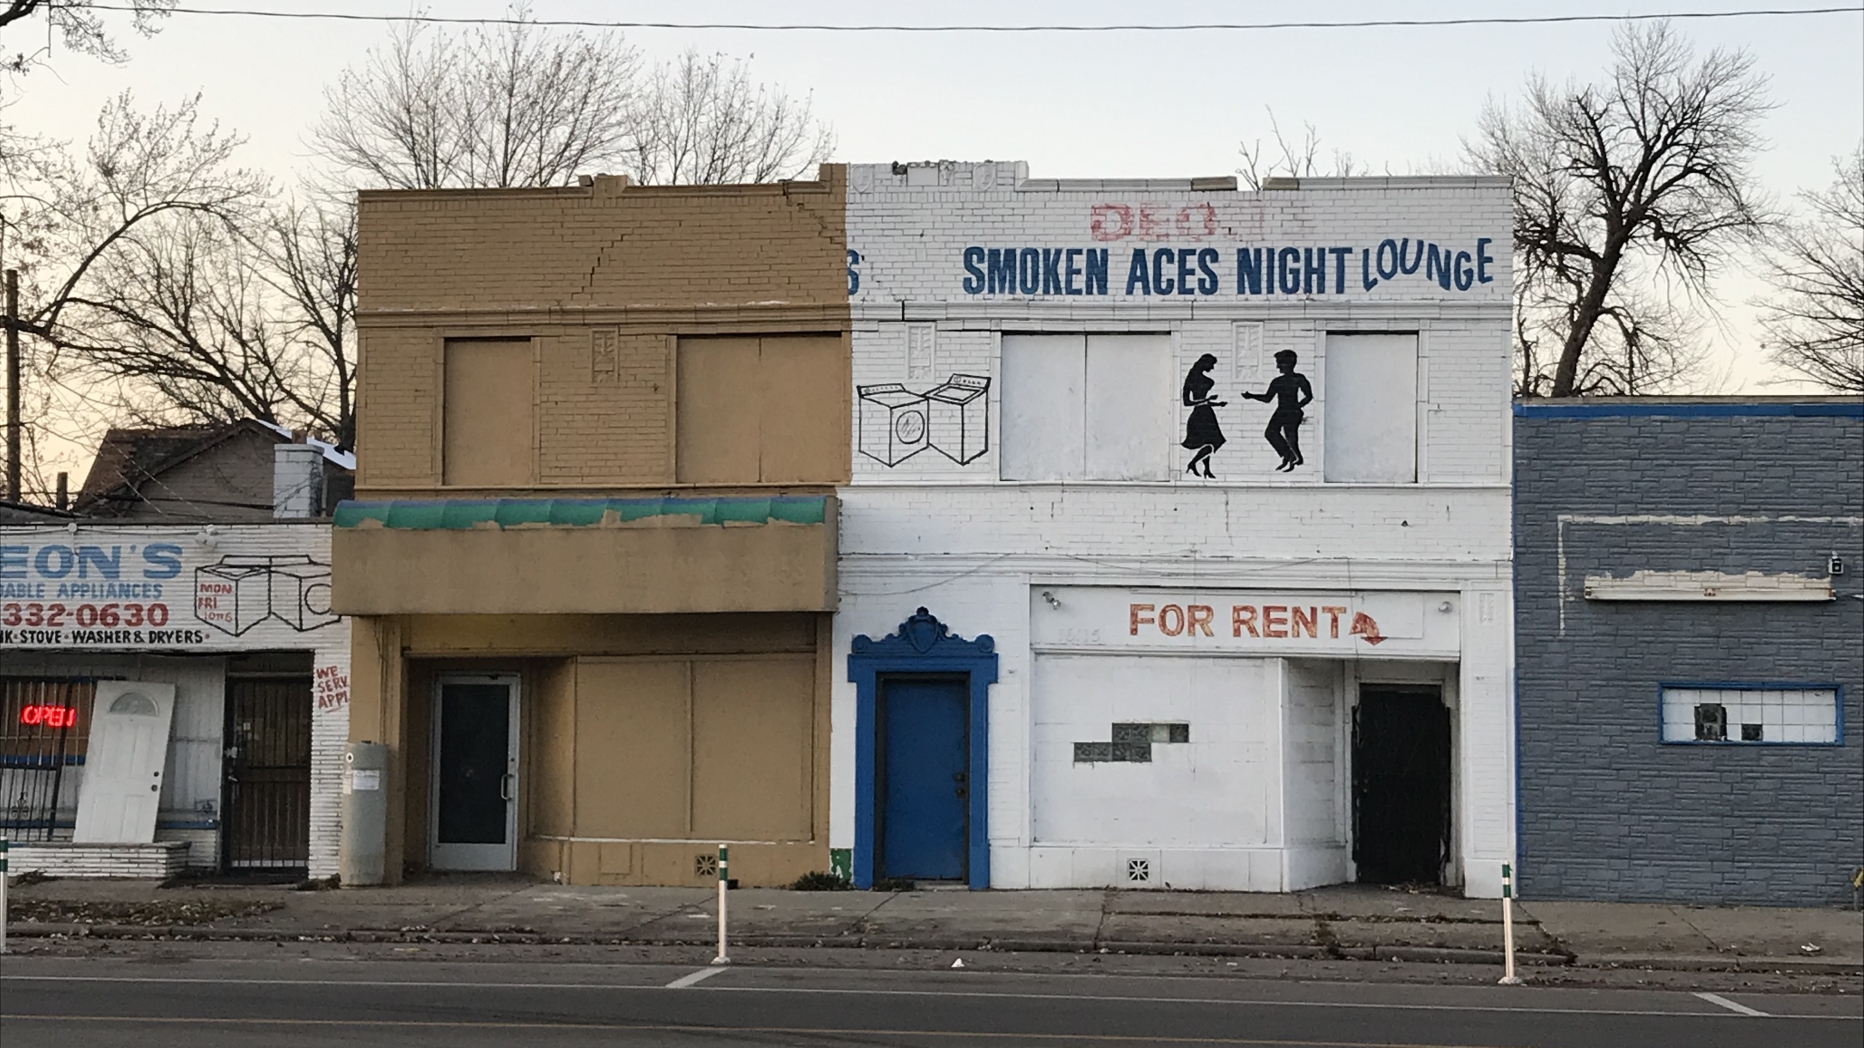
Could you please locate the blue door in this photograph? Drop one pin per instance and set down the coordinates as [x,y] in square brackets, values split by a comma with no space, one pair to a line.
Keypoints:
[924,786]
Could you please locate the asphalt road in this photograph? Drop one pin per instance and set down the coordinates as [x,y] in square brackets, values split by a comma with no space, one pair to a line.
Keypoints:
[65,1002]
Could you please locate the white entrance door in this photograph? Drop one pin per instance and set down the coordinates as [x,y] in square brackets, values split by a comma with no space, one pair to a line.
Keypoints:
[473,814]
[122,787]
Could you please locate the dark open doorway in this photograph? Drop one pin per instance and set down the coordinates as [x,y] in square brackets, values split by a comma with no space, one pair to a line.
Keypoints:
[1401,784]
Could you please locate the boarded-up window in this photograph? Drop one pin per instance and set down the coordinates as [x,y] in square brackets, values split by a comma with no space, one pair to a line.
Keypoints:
[1087,407]
[488,427]
[1370,409]
[708,748]
[762,410]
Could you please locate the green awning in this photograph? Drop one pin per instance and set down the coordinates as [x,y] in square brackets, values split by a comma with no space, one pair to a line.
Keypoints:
[461,514]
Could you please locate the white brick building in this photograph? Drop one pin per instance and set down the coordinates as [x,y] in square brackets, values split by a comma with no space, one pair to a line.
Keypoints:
[1290,672]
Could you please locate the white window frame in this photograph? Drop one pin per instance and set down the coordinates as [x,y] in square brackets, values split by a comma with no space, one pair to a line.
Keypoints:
[1689,694]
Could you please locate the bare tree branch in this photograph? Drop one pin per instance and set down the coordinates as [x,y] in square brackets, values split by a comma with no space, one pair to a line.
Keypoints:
[701,121]
[1629,196]
[1815,321]
[1298,159]
[80,26]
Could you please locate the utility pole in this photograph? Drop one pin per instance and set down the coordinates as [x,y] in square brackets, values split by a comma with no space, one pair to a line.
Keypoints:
[12,385]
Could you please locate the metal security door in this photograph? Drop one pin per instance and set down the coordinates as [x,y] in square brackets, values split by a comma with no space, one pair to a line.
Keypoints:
[925,780]
[474,814]
[267,770]
[122,788]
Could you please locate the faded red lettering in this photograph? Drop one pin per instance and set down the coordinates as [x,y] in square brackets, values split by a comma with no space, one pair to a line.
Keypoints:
[1333,618]
[1198,616]
[1304,620]
[1274,620]
[1243,617]
[1120,213]
[1171,620]
[1133,620]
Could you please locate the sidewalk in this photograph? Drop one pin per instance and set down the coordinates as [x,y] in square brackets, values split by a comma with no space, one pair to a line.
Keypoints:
[1353,922]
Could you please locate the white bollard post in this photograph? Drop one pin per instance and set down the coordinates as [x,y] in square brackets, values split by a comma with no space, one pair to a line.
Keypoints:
[3,848]
[724,886]
[1508,975]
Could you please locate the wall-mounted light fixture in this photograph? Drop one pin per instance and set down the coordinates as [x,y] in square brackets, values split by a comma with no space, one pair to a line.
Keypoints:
[1049,595]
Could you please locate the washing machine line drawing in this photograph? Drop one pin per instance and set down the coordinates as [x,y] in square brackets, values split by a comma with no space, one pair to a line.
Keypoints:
[952,418]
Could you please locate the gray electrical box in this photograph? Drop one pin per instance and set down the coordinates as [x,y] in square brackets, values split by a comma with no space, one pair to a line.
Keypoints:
[365,815]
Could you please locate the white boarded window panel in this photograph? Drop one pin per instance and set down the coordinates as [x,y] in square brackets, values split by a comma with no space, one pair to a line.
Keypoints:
[1130,407]
[1370,412]
[1782,714]
[1044,387]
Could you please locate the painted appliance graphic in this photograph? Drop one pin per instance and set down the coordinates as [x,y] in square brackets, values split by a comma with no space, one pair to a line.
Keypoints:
[240,592]
[952,418]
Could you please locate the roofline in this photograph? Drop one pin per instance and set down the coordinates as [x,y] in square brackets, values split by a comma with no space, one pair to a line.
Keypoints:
[1692,407]
[207,443]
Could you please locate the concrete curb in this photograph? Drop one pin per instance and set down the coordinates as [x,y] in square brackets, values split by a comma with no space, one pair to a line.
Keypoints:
[1426,954]
[1303,951]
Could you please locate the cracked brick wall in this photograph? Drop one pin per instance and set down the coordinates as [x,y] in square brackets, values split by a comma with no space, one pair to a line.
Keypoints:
[603,278]
[1607,810]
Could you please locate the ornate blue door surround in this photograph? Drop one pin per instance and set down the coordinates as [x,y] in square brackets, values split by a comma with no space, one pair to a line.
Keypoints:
[921,648]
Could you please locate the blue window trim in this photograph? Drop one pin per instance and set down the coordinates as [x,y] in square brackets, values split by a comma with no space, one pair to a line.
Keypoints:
[922,645]
[1838,698]
[1659,409]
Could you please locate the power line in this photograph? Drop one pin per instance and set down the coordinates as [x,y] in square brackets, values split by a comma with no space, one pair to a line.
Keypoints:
[1375,23]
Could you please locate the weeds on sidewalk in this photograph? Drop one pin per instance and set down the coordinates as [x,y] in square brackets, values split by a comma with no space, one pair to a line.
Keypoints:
[165,912]
[818,881]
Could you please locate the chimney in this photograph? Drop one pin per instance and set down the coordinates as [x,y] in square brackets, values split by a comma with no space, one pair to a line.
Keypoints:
[297,481]
[64,491]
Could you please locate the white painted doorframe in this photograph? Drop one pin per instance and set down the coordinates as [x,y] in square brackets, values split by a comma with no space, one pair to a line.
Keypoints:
[454,856]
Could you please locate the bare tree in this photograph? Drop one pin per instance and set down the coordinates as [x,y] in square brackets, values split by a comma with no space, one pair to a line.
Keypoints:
[493,107]
[79,24]
[702,121]
[1298,159]
[1629,196]
[123,248]
[1815,323]
[312,251]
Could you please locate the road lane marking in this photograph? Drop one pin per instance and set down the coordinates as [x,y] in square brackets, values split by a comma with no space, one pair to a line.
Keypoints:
[986,994]
[1716,998]
[789,1031]
[693,978]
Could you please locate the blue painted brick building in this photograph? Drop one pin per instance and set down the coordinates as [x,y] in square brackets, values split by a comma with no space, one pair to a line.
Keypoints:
[1690,649]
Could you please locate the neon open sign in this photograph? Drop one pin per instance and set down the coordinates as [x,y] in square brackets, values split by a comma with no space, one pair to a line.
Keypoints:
[49,716]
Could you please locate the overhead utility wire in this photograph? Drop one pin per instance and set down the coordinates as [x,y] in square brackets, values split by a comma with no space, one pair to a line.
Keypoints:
[1375,23]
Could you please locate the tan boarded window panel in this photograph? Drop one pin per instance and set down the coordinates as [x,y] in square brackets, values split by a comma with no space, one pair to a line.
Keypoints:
[751,747]
[631,745]
[717,411]
[805,417]
[770,410]
[488,430]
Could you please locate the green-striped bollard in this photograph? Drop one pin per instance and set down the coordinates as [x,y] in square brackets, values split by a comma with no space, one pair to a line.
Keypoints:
[1508,974]
[724,884]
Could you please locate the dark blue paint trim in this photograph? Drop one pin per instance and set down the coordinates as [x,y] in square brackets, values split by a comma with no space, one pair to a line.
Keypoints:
[922,645]
[67,824]
[1567,409]
[39,761]
[1838,697]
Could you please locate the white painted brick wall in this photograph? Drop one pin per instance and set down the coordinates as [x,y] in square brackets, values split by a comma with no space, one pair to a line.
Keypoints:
[970,547]
[160,860]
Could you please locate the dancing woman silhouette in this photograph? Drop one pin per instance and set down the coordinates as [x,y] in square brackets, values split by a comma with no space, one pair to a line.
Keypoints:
[1202,434]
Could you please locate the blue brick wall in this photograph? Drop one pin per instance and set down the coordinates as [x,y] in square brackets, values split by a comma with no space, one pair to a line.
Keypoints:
[1606,810]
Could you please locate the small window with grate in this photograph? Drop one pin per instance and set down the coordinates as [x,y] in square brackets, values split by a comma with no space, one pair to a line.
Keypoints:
[1711,722]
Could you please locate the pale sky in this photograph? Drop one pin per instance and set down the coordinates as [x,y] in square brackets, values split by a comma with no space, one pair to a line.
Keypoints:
[1083,105]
